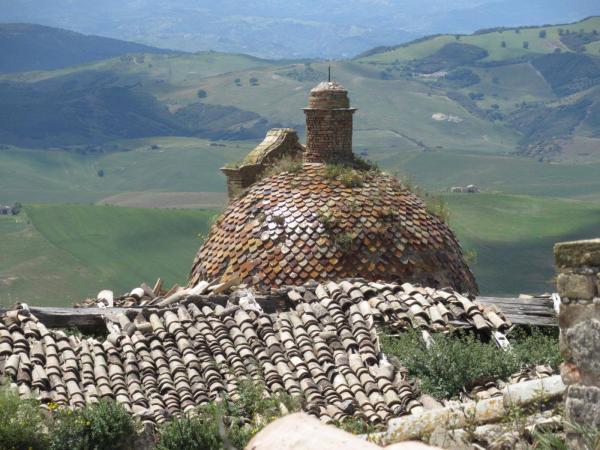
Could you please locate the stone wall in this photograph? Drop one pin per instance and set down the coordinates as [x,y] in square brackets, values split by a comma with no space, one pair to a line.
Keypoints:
[578,284]
[279,143]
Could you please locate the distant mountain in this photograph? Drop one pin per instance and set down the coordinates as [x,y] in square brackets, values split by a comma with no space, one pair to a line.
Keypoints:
[288,28]
[531,91]
[93,107]
[35,47]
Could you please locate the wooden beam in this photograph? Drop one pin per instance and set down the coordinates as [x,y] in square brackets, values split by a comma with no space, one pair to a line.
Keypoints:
[524,311]
[520,311]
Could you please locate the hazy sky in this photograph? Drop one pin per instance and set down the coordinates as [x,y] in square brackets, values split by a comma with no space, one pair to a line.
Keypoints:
[287,28]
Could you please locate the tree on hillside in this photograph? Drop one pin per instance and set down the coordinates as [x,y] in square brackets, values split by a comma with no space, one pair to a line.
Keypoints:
[525,44]
[201,93]
[503,44]
[542,34]
[100,173]
[16,208]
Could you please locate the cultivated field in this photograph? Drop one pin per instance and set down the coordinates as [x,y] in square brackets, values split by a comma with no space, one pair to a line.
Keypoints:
[59,254]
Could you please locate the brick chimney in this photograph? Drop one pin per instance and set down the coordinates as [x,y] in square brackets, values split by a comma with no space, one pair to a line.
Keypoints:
[328,124]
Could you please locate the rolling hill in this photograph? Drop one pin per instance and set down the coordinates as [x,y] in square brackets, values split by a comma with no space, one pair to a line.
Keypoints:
[59,254]
[483,92]
[28,47]
[151,130]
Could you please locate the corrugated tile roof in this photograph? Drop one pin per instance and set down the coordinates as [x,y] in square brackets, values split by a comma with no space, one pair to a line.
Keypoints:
[167,361]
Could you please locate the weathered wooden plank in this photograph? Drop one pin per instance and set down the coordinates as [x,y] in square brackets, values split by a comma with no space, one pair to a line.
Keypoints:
[540,312]
[524,311]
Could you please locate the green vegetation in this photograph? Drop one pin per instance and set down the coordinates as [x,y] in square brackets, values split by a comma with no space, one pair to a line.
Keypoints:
[59,254]
[348,176]
[105,425]
[176,165]
[514,235]
[456,361]
[226,424]
[21,423]
[553,37]
[286,164]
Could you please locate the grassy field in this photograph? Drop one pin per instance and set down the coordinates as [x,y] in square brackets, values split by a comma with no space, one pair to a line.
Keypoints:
[177,165]
[184,172]
[513,237]
[59,254]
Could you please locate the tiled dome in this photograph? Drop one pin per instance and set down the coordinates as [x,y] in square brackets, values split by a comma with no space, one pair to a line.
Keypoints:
[314,224]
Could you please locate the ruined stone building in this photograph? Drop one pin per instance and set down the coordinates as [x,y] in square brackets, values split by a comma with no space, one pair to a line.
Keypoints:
[330,216]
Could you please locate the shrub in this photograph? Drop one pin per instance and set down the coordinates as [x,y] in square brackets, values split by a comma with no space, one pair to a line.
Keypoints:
[201,93]
[451,362]
[458,360]
[189,434]
[534,345]
[227,424]
[21,423]
[105,425]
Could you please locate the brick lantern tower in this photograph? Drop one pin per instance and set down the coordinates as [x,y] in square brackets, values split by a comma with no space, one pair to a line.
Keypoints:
[328,124]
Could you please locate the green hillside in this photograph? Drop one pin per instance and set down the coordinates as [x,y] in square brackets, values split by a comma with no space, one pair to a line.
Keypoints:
[59,254]
[441,93]
[36,47]
[153,165]
[513,237]
[556,36]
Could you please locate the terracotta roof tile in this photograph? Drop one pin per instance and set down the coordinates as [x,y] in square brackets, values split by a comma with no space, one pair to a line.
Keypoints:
[386,230]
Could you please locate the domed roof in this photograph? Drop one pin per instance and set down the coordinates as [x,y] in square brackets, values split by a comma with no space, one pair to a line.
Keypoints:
[328,95]
[323,222]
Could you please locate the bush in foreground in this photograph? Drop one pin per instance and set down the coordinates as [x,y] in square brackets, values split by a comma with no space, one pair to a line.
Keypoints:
[21,422]
[102,426]
[226,424]
[461,360]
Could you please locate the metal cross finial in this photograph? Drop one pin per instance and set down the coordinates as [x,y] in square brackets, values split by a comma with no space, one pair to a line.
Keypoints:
[329,73]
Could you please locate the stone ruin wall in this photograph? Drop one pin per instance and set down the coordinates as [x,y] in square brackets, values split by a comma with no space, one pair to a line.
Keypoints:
[578,285]
[278,143]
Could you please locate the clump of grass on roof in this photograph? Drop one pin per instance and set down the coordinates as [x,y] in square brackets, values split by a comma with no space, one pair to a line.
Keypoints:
[347,175]
[352,174]
[286,164]
[461,360]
